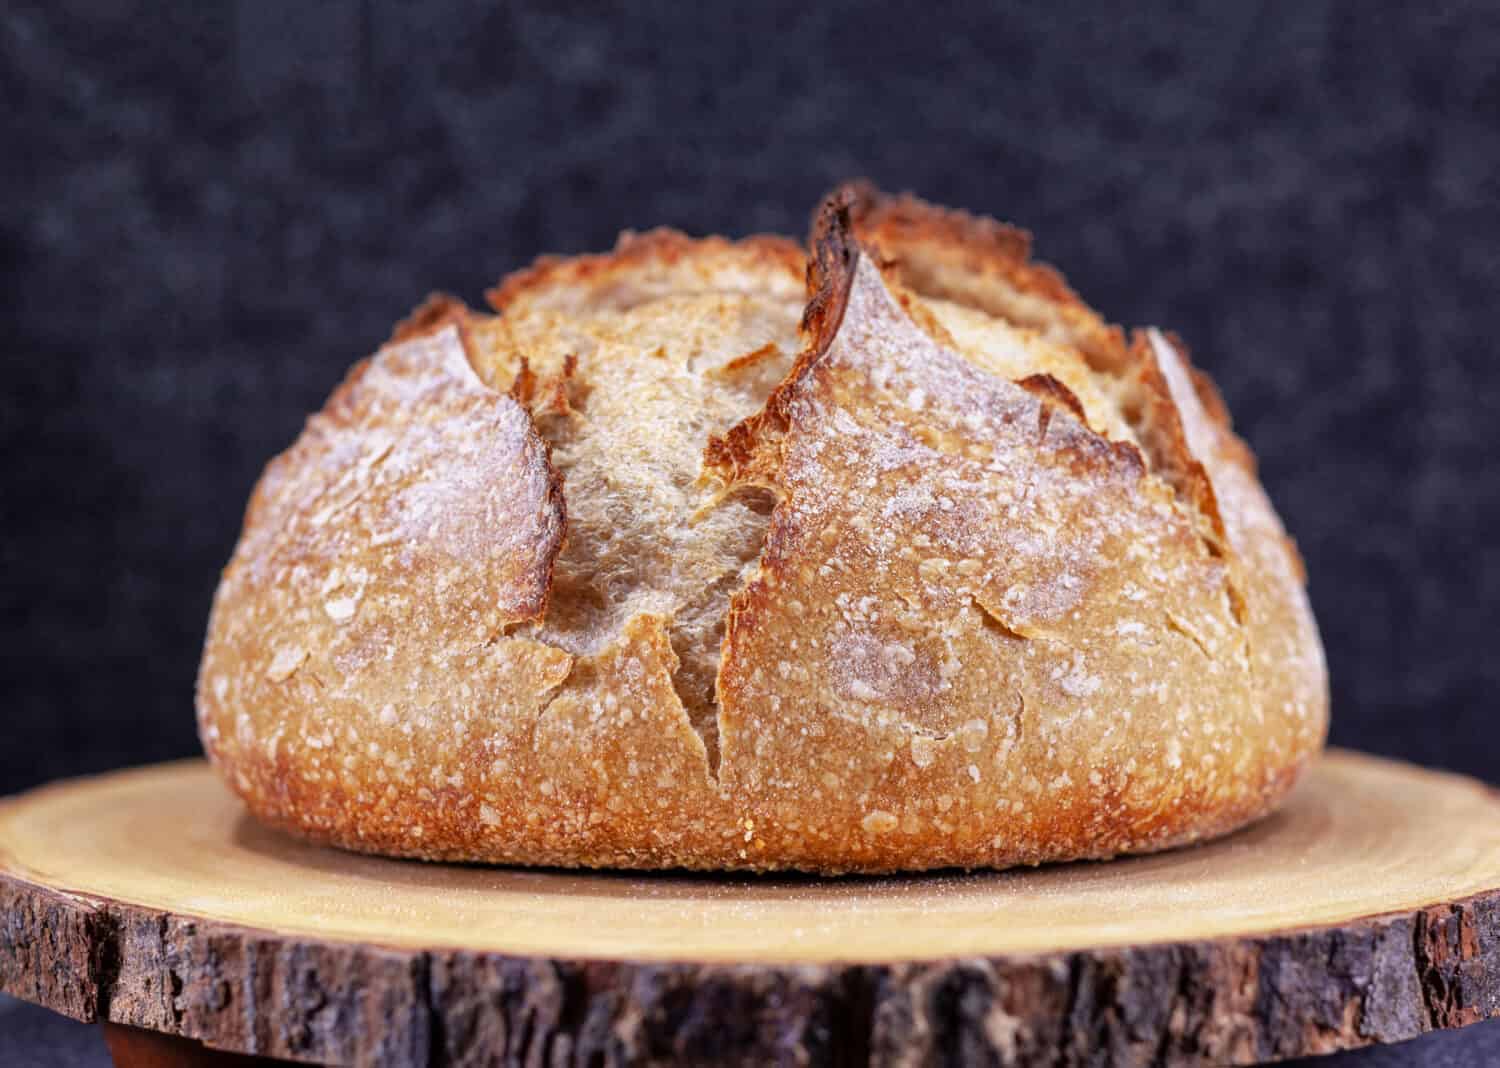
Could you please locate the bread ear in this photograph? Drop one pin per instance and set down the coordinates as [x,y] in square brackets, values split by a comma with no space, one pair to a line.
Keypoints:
[981,262]
[434,313]
[746,453]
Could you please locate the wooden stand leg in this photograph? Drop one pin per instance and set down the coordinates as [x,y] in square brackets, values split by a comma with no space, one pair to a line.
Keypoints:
[131,1047]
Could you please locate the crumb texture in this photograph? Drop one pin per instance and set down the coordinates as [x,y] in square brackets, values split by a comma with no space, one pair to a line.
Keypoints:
[674,341]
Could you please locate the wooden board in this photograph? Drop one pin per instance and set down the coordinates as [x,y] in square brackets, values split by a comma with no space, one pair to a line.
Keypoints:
[1368,910]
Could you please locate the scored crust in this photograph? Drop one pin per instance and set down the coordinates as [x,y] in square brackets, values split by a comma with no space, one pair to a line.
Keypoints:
[962,578]
[1053,665]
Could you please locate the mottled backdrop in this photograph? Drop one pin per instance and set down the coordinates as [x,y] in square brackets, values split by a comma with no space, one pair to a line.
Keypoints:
[207,211]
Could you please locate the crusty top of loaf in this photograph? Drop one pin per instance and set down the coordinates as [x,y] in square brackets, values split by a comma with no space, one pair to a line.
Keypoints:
[924,564]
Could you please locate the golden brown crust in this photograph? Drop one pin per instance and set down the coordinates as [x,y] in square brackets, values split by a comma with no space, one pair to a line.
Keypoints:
[829,272]
[1050,666]
[985,264]
[384,555]
[1019,598]
[1147,405]
[1053,394]
[1285,652]
[653,263]
[1206,391]
[947,253]
[434,313]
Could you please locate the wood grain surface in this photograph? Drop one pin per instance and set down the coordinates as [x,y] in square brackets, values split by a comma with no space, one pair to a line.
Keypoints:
[1367,910]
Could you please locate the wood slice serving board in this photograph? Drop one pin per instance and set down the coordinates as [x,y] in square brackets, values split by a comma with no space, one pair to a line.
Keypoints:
[1367,910]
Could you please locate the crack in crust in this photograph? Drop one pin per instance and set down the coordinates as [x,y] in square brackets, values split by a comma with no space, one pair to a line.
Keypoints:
[741,455]
[682,336]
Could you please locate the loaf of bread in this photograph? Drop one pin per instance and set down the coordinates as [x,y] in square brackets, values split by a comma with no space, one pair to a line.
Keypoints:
[890,554]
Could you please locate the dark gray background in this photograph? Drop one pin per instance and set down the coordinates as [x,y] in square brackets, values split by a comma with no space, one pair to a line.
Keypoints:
[207,211]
